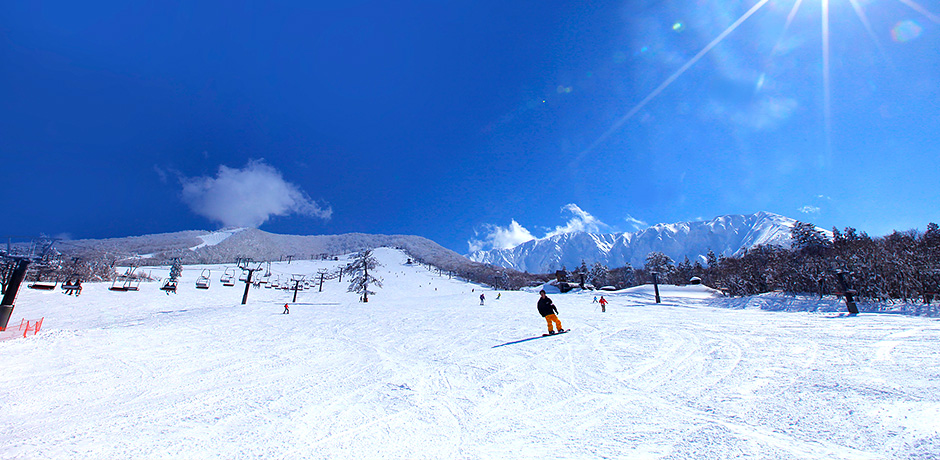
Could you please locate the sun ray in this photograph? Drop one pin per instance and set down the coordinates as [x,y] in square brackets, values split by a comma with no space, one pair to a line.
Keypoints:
[920,9]
[786,26]
[827,94]
[860,12]
[659,89]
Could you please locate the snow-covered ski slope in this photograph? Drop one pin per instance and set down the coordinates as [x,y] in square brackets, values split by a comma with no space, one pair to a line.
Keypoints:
[424,371]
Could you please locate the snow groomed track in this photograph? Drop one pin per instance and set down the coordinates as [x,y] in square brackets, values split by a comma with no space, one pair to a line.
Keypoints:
[424,371]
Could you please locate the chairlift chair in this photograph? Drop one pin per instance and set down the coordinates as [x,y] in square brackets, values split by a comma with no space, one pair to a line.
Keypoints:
[126,282]
[118,284]
[72,285]
[132,284]
[169,286]
[203,281]
[43,285]
[228,278]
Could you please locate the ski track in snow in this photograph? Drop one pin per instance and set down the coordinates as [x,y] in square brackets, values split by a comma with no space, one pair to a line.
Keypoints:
[414,374]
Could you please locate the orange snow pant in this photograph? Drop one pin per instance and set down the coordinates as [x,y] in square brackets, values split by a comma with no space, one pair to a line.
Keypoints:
[553,319]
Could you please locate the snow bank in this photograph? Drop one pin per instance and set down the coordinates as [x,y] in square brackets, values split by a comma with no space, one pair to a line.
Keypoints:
[777,301]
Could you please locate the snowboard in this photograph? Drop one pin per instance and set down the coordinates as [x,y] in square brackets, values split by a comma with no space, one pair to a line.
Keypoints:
[557,333]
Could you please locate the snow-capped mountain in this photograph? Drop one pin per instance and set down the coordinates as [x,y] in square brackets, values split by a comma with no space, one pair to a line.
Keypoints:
[725,235]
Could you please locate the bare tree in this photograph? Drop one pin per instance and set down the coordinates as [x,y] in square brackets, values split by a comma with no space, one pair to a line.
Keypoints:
[361,278]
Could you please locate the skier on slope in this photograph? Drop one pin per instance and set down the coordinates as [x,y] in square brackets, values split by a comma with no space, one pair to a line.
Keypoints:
[603,303]
[482,298]
[286,310]
[548,311]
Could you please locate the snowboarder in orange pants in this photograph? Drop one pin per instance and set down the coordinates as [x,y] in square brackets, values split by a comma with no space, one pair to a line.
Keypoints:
[548,311]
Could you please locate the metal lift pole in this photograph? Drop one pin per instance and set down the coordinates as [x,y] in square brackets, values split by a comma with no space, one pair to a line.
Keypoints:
[16,278]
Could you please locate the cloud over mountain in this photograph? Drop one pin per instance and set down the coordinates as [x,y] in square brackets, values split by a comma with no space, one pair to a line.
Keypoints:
[248,197]
[497,237]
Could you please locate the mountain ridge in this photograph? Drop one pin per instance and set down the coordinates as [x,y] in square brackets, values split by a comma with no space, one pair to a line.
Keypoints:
[728,235]
[223,246]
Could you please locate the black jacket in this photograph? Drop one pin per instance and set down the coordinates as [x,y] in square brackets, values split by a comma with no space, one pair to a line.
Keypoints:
[546,307]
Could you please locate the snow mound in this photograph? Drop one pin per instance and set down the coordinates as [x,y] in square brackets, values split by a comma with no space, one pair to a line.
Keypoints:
[692,291]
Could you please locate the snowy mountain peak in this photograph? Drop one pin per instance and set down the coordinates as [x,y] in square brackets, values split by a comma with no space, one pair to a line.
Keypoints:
[726,235]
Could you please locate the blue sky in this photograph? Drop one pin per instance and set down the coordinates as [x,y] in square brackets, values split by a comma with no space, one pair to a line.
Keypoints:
[464,120]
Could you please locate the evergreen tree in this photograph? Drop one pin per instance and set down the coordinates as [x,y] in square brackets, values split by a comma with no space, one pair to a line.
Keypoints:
[683,271]
[806,237]
[622,277]
[660,263]
[599,275]
[711,259]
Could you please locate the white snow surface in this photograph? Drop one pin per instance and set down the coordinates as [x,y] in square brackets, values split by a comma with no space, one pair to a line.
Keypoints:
[214,238]
[424,371]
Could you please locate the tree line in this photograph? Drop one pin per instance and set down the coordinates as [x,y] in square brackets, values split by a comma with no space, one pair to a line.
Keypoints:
[900,266]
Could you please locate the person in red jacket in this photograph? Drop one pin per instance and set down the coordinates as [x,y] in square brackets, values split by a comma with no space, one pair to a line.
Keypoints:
[603,303]
[548,311]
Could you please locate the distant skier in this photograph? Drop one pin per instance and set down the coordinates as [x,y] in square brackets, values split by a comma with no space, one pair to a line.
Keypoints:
[595,300]
[498,294]
[548,311]
[286,310]
[482,298]
[603,303]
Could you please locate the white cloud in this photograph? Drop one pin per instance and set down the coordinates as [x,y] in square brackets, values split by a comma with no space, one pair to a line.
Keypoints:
[637,224]
[764,114]
[248,197]
[160,173]
[497,237]
[808,209]
[582,221]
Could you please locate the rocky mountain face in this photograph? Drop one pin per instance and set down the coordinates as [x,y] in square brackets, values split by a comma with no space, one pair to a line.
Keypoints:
[725,235]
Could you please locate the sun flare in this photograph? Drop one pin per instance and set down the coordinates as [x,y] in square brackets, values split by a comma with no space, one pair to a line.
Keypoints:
[905,30]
